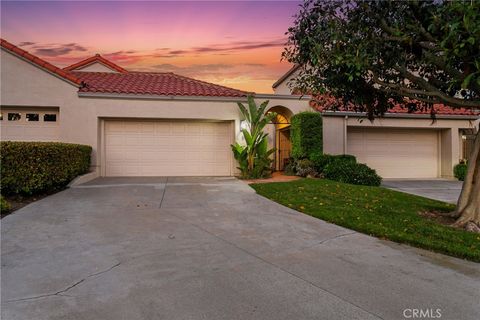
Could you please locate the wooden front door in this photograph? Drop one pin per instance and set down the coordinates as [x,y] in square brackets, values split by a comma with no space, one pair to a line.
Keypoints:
[284,148]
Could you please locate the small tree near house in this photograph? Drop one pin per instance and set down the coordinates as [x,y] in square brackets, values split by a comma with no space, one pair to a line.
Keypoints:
[254,157]
[373,55]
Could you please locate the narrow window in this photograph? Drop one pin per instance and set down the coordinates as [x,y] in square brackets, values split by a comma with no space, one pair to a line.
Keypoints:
[1,116]
[13,116]
[49,117]
[32,117]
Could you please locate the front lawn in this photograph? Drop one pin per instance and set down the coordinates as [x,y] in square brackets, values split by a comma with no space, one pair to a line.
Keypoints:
[376,211]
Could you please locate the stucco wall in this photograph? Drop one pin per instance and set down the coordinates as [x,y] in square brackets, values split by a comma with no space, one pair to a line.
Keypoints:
[80,119]
[96,67]
[284,87]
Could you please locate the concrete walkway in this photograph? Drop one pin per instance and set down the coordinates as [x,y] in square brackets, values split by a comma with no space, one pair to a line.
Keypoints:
[438,189]
[210,248]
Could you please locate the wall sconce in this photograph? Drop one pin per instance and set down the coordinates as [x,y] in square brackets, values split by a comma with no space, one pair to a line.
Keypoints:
[244,125]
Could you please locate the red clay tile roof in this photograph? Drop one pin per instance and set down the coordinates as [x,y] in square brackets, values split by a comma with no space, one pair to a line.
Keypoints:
[40,62]
[145,83]
[96,58]
[324,104]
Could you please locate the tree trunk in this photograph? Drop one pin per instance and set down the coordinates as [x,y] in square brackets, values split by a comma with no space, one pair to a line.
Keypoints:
[468,205]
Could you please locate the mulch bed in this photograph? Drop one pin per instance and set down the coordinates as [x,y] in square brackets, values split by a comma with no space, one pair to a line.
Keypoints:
[17,202]
[276,177]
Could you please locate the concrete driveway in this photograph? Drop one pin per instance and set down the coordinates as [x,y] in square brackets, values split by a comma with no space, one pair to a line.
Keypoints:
[439,189]
[210,248]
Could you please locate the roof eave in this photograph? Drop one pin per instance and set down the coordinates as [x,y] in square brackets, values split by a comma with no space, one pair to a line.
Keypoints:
[101,95]
[78,85]
[400,115]
[285,76]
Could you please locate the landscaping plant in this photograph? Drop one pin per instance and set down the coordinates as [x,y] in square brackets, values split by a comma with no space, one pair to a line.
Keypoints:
[306,134]
[34,167]
[460,171]
[253,157]
[351,172]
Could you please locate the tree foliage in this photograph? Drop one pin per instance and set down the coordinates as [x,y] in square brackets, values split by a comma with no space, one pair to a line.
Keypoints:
[374,54]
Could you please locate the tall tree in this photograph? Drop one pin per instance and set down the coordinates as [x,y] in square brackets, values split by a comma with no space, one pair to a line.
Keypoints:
[372,55]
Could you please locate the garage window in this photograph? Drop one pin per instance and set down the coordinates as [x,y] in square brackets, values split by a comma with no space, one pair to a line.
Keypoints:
[14,116]
[32,117]
[49,117]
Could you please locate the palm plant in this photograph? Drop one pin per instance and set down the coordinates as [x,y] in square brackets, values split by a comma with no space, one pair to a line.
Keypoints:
[254,157]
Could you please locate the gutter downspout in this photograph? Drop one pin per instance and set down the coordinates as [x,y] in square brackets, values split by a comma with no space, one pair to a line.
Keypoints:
[345,120]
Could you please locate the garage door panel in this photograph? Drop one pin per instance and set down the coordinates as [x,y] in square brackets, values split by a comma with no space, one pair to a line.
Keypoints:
[161,148]
[396,153]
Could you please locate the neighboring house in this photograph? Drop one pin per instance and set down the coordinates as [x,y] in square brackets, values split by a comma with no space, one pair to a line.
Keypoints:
[138,123]
[400,144]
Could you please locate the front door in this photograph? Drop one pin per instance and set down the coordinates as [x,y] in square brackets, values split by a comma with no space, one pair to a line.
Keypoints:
[284,148]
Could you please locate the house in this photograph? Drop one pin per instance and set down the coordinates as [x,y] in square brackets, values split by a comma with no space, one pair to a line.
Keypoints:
[138,123]
[164,124]
[400,144]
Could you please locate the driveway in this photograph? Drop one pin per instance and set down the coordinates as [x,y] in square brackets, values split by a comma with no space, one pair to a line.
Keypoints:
[210,248]
[438,189]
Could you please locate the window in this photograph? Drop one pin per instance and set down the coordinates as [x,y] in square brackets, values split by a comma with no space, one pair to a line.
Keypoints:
[32,116]
[49,117]
[13,116]
[1,116]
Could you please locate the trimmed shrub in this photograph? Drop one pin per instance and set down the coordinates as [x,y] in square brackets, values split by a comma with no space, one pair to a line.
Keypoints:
[4,205]
[460,171]
[320,161]
[350,172]
[304,168]
[34,167]
[306,134]
[290,167]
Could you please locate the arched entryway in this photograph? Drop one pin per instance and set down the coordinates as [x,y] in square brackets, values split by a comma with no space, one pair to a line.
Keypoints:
[281,136]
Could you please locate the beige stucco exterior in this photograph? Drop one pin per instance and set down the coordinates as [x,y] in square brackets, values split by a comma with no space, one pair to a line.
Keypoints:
[336,127]
[96,67]
[82,116]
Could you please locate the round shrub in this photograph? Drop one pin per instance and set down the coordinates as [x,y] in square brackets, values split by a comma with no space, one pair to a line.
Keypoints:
[350,172]
[35,167]
[304,167]
[320,161]
[460,171]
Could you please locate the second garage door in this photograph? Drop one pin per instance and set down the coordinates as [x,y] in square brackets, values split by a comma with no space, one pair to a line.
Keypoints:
[396,153]
[168,148]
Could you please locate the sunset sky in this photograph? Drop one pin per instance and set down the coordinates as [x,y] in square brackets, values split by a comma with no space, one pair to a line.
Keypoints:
[233,43]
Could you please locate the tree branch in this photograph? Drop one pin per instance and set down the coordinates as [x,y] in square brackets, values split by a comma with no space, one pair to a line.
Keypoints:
[433,91]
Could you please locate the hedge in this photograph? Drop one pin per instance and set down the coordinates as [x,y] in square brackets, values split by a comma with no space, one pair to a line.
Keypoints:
[306,134]
[4,205]
[35,167]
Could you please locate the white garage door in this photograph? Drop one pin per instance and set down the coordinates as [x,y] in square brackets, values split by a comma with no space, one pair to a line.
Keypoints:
[168,148]
[396,153]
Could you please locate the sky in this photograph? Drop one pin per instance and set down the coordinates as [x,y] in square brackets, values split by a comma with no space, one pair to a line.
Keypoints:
[232,43]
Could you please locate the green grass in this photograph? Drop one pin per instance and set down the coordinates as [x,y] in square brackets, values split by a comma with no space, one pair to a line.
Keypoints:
[376,211]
